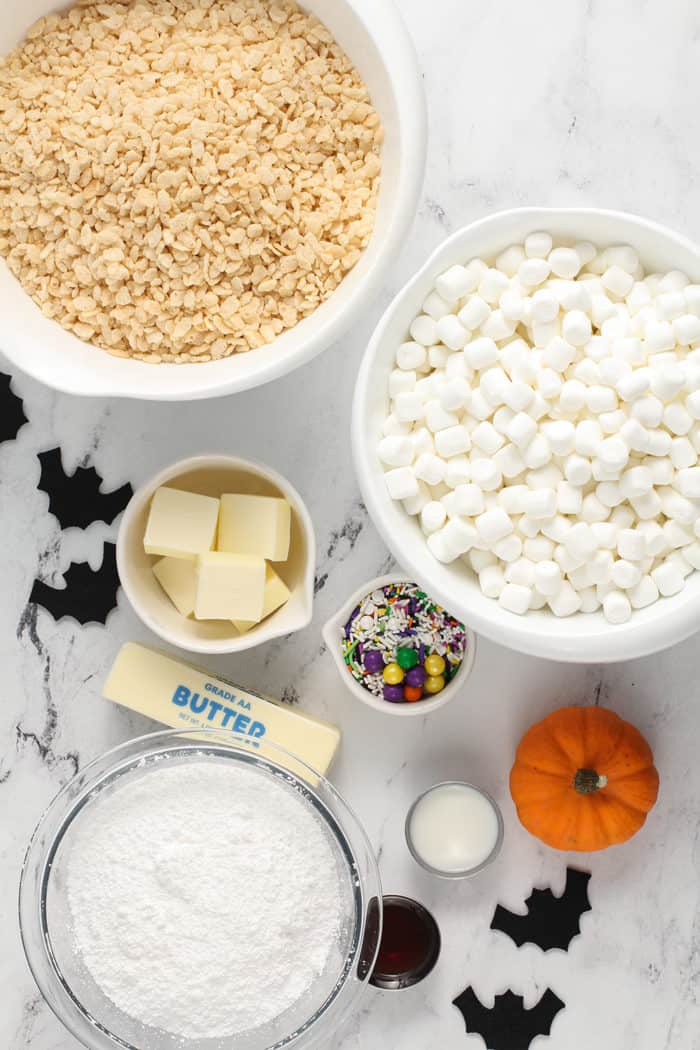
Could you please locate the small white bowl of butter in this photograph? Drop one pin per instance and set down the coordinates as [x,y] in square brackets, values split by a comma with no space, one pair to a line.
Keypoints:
[178,582]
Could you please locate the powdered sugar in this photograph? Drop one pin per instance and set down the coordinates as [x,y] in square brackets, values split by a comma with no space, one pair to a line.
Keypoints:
[206,897]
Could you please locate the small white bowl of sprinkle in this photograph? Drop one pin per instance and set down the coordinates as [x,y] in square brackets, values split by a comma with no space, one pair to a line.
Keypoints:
[397,650]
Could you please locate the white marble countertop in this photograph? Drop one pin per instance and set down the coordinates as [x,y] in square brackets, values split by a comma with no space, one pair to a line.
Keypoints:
[546,103]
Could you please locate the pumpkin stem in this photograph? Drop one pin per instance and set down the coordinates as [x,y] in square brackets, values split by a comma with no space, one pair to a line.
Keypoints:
[587,781]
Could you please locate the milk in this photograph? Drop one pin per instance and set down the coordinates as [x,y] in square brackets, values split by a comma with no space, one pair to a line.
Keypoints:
[454,828]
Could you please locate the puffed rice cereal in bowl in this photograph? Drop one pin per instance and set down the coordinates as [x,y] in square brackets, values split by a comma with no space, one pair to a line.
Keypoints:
[181,180]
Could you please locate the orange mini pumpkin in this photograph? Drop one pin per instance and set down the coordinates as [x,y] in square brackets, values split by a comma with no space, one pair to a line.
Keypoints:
[583,779]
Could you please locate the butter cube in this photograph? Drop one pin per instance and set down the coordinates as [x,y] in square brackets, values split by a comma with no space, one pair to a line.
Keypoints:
[255,525]
[178,578]
[276,594]
[229,587]
[180,524]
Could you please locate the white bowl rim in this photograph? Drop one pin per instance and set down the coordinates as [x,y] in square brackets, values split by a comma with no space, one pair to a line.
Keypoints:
[385,25]
[681,619]
[423,707]
[267,631]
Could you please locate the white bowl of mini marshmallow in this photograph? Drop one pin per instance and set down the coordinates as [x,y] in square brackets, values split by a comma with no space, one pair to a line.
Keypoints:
[526,431]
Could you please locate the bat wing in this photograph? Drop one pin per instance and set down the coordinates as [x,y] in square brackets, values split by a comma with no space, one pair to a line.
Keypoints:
[508,1025]
[76,500]
[550,922]
[88,596]
[12,417]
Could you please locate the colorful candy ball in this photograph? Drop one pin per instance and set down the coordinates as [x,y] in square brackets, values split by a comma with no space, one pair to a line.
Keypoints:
[406,658]
[412,693]
[393,675]
[434,665]
[393,693]
[415,677]
[373,661]
[434,683]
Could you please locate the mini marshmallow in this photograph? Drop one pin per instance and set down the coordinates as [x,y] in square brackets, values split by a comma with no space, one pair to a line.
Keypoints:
[622,255]
[492,285]
[635,436]
[493,525]
[452,332]
[486,475]
[514,598]
[572,397]
[414,504]
[645,593]
[612,422]
[486,437]
[432,516]
[587,372]
[611,369]
[468,500]
[569,498]
[438,356]
[401,483]
[628,349]
[538,245]
[439,549]
[616,607]
[458,471]
[636,482]
[646,506]
[492,581]
[688,482]
[512,304]
[556,529]
[411,355]
[396,451]
[408,406]
[561,436]
[528,528]
[479,559]
[521,429]
[459,535]
[589,600]
[617,281]
[452,441]
[509,550]
[605,534]
[538,453]
[667,381]
[692,554]
[602,309]
[544,306]
[518,396]
[648,411]
[393,427]
[682,455]
[658,443]
[494,386]
[497,326]
[565,262]
[456,282]
[687,329]
[426,388]
[549,383]
[509,260]
[601,399]
[631,544]
[509,461]
[422,441]
[454,394]
[576,327]
[520,571]
[474,313]
[625,574]
[479,408]
[600,567]
[548,577]
[435,306]
[543,332]
[547,477]
[692,404]
[659,336]
[588,437]
[613,453]
[481,353]
[676,534]
[579,542]
[601,472]
[512,498]
[670,305]
[678,559]
[538,548]
[668,578]
[566,602]
[577,470]
[638,298]
[673,281]
[609,493]
[633,384]
[676,419]
[533,271]
[429,468]
[593,510]
[559,354]
[438,418]
[401,381]
[424,330]
[540,503]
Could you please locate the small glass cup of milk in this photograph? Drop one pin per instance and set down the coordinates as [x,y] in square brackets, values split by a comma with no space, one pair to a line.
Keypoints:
[454,830]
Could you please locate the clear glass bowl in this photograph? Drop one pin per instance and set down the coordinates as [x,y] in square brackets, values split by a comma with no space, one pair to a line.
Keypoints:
[46,926]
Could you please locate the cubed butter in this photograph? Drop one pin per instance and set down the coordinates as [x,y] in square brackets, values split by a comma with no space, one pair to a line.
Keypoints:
[177,694]
[178,578]
[181,524]
[255,525]
[276,594]
[229,587]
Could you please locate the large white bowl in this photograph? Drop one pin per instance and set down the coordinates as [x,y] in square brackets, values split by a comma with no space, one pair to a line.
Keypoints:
[582,638]
[375,38]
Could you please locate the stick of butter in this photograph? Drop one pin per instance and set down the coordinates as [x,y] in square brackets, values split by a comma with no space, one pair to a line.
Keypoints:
[186,697]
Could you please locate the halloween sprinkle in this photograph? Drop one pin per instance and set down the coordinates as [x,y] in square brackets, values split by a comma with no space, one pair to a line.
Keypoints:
[400,645]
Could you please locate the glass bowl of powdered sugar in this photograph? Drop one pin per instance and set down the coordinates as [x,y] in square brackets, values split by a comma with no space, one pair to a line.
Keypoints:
[195,890]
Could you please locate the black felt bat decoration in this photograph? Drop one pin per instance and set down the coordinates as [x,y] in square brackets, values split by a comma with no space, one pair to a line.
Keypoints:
[76,500]
[508,1025]
[88,596]
[550,922]
[12,417]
